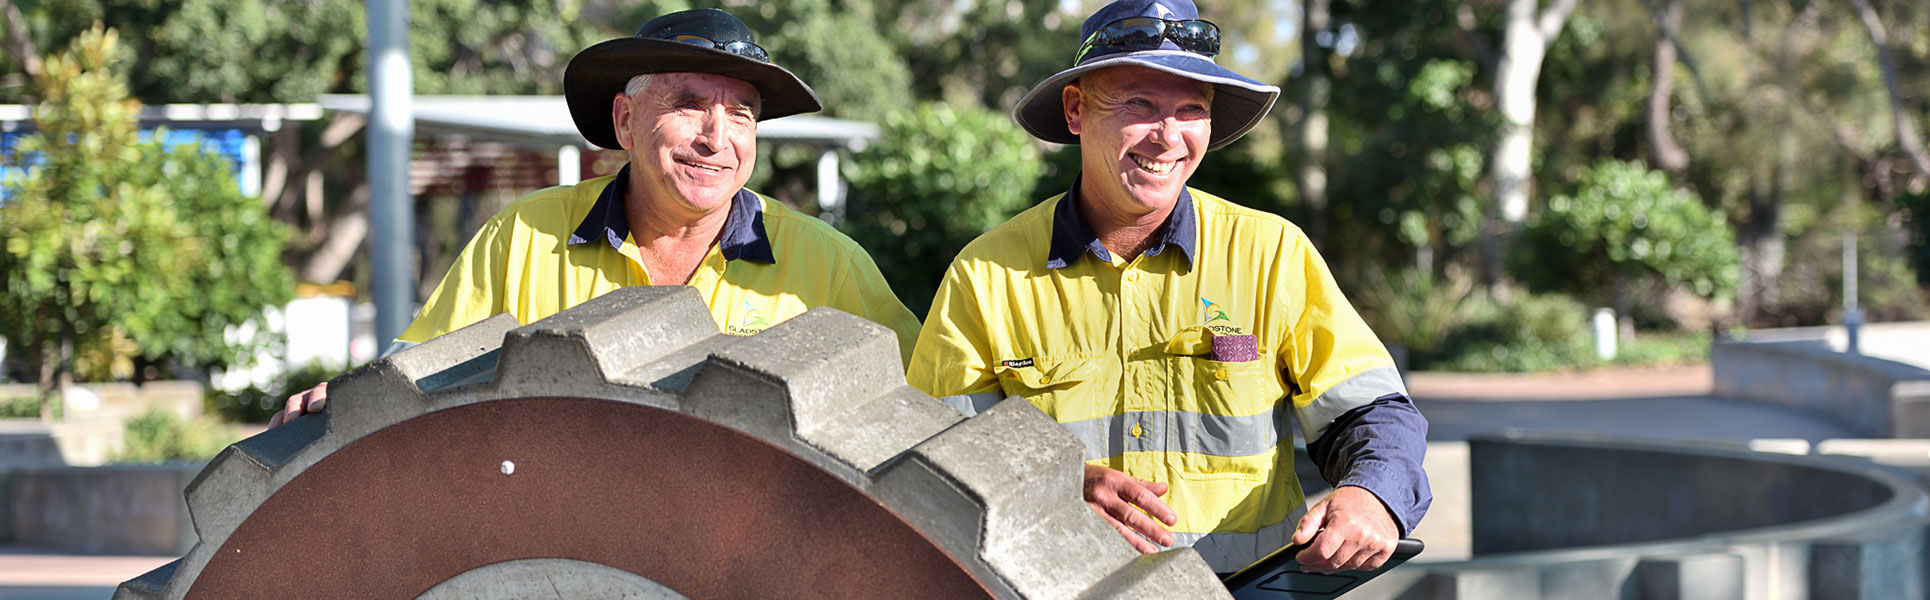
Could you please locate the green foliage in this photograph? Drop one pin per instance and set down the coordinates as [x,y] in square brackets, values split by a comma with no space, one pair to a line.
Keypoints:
[1664,348]
[1530,333]
[20,407]
[1450,325]
[109,234]
[256,404]
[940,176]
[162,436]
[1624,224]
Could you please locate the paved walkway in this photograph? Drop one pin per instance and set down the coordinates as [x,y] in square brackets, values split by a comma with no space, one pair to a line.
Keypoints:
[1668,403]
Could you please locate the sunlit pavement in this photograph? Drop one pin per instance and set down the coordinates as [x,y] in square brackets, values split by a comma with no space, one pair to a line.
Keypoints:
[1667,403]
[35,574]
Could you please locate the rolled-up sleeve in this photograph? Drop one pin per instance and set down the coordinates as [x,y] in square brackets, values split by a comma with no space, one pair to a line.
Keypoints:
[1379,447]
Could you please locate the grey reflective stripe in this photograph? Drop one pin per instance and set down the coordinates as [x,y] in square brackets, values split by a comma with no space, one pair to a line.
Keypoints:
[972,404]
[398,346]
[1177,431]
[1227,552]
[1355,392]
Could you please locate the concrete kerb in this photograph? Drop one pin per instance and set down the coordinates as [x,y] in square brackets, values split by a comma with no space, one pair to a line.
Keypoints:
[1878,397]
[1837,556]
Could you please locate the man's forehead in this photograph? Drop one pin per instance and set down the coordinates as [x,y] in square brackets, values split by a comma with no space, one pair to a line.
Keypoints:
[706,84]
[1141,79]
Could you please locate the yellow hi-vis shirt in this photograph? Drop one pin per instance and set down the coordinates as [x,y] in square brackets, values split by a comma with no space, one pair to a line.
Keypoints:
[558,247]
[1180,366]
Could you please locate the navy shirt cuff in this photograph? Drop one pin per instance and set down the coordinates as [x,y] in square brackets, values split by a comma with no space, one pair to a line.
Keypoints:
[1379,448]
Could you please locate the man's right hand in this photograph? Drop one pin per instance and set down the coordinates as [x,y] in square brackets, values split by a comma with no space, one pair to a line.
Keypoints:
[1130,505]
[300,404]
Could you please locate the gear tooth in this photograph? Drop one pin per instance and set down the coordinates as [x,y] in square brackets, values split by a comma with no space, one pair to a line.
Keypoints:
[392,389]
[226,492]
[1004,487]
[825,378]
[580,350]
[149,586]
[1175,573]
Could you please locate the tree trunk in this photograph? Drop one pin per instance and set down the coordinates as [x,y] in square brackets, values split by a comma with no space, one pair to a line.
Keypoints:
[1906,132]
[1311,127]
[346,232]
[1525,43]
[19,43]
[1662,146]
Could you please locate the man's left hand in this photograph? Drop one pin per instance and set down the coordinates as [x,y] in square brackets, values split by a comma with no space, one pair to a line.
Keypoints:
[1350,529]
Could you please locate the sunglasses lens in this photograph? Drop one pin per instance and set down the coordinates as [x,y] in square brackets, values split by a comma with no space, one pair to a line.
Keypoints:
[694,40]
[1140,31]
[1197,36]
[747,50]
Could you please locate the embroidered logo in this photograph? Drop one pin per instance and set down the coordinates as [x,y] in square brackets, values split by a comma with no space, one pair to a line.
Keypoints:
[753,322]
[1210,312]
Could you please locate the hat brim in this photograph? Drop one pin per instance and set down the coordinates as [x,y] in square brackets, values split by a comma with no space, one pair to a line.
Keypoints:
[600,72]
[1238,102]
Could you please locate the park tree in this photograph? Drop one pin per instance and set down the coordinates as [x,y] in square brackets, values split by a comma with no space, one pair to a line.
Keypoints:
[112,235]
[1624,232]
[939,177]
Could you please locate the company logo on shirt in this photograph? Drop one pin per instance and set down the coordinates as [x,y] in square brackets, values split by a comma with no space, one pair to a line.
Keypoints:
[752,323]
[1211,312]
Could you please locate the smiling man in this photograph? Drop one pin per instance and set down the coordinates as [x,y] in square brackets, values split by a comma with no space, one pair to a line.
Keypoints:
[1174,332]
[683,98]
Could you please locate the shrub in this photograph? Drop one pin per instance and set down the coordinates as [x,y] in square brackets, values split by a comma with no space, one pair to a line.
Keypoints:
[256,404]
[160,436]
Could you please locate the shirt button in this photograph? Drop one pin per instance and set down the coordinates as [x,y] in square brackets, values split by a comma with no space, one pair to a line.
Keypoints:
[1044,379]
[1220,373]
[1132,277]
[1136,430]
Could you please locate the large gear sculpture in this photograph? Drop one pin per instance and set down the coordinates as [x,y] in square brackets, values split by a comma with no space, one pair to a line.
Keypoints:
[626,449]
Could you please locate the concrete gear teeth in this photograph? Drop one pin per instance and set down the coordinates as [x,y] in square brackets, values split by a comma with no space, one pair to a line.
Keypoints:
[997,493]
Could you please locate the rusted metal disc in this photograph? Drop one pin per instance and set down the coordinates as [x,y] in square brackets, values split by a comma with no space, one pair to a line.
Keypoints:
[696,507]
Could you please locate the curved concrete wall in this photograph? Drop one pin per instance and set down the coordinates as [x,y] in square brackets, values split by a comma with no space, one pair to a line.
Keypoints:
[1879,397]
[1582,518]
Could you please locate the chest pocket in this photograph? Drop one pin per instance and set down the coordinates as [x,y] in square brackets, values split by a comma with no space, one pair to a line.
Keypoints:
[1236,418]
[1050,383]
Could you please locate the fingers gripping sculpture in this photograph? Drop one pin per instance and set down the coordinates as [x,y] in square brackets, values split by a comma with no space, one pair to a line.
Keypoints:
[624,448]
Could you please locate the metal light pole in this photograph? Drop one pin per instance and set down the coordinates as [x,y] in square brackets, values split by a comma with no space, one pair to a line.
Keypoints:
[391,131]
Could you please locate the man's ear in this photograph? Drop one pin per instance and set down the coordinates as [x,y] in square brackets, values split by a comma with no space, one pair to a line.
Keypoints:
[1071,97]
[620,110]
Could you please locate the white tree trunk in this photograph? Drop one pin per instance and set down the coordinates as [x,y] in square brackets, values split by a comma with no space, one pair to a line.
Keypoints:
[1525,42]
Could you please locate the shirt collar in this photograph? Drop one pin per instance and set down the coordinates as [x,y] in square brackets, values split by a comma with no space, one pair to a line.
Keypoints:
[1073,238]
[743,235]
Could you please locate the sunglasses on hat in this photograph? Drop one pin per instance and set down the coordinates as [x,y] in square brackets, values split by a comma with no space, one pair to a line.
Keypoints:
[1197,36]
[744,49]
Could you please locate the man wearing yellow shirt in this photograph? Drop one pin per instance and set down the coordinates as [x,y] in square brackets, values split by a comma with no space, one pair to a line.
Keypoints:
[682,98]
[1174,332]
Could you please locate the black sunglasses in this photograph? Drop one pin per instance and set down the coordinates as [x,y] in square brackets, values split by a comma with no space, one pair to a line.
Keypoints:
[1197,36]
[744,49]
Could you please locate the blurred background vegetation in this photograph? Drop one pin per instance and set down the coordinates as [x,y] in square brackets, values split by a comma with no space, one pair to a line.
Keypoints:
[1479,184]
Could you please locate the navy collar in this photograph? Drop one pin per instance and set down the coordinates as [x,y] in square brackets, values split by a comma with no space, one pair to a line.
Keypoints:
[743,236]
[1072,238]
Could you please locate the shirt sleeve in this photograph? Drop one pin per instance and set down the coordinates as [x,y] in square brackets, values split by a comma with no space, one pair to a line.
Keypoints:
[471,291]
[861,290]
[1352,406]
[1379,448]
[953,356]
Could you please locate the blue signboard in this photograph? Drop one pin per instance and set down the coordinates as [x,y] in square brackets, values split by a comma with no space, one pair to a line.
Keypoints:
[230,144]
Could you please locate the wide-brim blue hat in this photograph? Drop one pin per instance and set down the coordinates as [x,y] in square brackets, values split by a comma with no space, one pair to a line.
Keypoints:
[1239,102]
[600,72]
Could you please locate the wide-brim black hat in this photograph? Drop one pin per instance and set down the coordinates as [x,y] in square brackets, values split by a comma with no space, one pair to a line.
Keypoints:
[600,72]
[1239,102]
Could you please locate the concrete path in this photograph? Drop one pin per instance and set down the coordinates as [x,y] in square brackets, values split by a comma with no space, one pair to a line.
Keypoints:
[1668,403]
